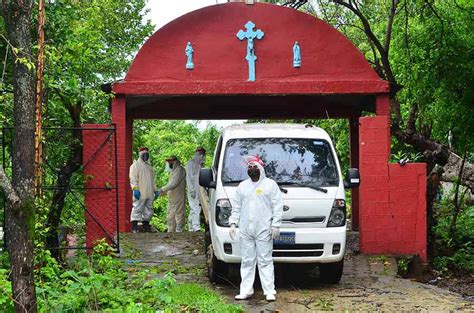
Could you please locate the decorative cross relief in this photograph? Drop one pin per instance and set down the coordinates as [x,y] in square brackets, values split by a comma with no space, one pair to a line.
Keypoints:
[250,35]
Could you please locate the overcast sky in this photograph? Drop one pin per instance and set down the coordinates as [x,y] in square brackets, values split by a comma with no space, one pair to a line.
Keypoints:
[162,12]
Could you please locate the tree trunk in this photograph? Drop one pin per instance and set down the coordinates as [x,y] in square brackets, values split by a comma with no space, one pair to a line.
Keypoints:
[436,153]
[19,216]
[64,178]
[432,186]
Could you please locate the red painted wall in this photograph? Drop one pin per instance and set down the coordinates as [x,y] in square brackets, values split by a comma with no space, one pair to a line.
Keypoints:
[392,198]
[99,172]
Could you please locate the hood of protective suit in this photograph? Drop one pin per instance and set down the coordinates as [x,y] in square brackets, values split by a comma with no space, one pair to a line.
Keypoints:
[255,160]
[175,163]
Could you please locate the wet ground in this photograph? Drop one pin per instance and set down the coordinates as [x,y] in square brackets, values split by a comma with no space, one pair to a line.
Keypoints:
[369,283]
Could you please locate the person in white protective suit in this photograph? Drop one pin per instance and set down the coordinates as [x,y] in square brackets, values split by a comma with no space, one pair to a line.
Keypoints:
[176,189]
[192,181]
[143,183]
[257,210]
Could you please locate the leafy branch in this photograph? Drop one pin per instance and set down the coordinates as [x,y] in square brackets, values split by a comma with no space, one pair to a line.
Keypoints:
[21,57]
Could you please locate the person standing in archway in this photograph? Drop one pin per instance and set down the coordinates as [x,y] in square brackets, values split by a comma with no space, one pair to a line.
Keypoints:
[257,209]
[192,181]
[143,182]
[176,189]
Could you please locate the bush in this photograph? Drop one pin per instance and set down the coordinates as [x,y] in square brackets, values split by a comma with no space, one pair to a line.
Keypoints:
[454,252]
[98,282]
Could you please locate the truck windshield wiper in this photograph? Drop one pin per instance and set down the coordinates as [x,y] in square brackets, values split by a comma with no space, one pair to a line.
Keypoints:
[303,185]
[232,182]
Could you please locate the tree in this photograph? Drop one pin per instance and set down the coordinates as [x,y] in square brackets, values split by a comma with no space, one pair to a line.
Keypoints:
[395,32]
[20,208]
[434,37]
[89,43]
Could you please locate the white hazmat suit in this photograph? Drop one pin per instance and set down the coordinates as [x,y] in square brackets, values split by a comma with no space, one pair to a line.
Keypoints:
[176,189]
[192,181]
[257,208]
[142,178]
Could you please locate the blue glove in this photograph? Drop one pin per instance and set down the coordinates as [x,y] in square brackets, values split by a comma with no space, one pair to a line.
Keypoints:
[136,194]
[157,194]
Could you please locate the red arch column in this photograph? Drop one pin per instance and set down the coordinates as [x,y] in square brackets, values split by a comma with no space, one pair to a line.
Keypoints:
[392,197]
[124,129]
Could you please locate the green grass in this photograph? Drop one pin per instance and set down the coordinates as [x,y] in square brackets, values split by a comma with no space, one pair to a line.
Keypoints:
[191,297]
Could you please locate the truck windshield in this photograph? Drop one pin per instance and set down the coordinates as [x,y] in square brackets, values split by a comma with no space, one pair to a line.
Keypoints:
[287,161]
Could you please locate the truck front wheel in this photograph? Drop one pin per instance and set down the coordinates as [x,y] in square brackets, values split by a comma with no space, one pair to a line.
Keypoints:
[216,270]
[331,273]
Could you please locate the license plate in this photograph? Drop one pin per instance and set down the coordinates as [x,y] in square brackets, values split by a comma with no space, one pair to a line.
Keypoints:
[285,238]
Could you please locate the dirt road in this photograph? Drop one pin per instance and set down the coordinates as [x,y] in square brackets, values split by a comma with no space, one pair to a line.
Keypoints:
[369,283]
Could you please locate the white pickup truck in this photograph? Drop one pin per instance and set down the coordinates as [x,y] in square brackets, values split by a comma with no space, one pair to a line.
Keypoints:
[302,160]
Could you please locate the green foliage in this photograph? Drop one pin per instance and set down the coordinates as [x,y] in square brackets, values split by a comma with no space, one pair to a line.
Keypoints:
[406,153]
[454,252]
[432,56]
[99,282]
[402,266]
[89,43]
[5,291]
[325,304]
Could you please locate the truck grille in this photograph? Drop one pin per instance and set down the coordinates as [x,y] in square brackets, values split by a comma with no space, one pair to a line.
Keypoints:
[298,250]
[313,219]
[301,246]
[296,253]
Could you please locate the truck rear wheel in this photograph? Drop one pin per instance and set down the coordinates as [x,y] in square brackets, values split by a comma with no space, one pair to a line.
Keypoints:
[331,273]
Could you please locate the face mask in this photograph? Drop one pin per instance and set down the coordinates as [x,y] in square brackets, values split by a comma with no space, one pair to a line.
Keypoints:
[168,167]
[145,157]
[254,173]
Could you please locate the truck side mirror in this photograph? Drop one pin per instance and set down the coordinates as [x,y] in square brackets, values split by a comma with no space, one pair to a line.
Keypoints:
[352,178]
[206,178]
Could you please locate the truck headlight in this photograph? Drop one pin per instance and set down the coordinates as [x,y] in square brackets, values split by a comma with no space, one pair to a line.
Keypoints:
[337,217]
[223,212]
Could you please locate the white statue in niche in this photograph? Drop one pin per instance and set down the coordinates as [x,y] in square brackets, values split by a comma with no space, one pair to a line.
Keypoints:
[296,55]
[189,55]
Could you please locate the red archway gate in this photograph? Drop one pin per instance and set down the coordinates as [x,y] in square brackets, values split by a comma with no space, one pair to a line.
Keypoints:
[334,80]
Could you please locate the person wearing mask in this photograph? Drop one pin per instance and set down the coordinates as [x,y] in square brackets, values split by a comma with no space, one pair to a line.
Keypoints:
[176,189]
[257,209]
[143,183]
[192,181]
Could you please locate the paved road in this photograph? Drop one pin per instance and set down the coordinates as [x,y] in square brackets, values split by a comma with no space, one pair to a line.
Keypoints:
[369,283]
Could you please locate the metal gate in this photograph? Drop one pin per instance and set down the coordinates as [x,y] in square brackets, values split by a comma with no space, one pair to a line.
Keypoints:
[66,187]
